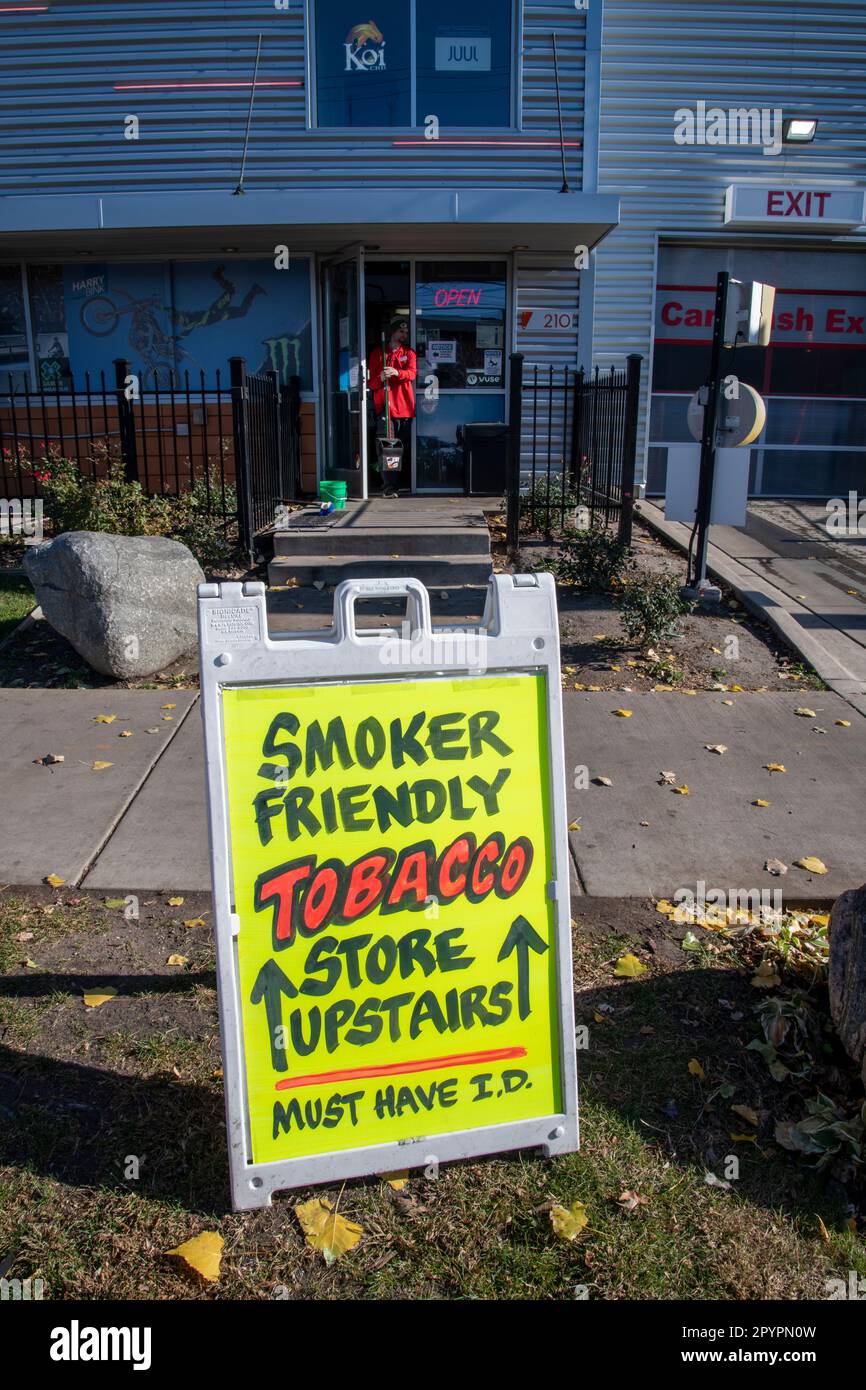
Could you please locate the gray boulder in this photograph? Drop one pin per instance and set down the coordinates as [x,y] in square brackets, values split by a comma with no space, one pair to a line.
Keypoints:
[127,604]
[848,973]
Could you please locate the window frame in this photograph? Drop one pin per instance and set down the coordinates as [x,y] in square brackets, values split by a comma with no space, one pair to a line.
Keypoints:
[515,85]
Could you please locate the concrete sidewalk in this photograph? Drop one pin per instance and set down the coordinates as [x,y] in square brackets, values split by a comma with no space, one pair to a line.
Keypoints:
[141,824]
[809,587]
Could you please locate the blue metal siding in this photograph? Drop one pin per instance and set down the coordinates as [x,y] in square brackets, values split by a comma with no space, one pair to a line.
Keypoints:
[61,119]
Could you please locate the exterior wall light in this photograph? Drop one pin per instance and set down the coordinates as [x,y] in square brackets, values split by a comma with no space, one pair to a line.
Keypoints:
[798,130]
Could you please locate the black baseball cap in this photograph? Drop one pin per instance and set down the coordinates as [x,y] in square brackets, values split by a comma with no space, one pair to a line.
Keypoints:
[400,322]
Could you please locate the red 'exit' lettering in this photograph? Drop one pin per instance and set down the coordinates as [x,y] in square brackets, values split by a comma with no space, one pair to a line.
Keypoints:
[805,203]
[840,321]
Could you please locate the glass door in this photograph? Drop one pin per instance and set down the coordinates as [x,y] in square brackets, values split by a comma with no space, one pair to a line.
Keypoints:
[344,372]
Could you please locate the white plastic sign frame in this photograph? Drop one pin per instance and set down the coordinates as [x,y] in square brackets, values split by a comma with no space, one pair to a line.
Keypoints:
[521,634]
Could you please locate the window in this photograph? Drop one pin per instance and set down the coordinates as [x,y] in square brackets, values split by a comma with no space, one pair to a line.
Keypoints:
[14,356]
[163,317]
[460,322]
[464,70]
[412,61]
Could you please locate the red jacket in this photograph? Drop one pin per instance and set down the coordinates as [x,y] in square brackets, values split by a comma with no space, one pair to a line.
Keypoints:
[401,388]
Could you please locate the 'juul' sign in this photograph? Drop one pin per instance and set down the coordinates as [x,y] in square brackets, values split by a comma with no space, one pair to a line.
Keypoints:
[463,54]
[768,205]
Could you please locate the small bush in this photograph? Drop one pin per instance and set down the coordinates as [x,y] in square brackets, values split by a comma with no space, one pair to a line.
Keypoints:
[592,559]
[651,607]
[542,506]
[112,503]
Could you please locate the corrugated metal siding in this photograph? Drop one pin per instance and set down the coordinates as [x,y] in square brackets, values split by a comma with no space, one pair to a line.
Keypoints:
[544,283]
[61,122]
[806,58]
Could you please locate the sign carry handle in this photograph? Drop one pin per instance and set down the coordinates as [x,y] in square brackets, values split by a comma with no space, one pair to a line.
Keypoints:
[349,591]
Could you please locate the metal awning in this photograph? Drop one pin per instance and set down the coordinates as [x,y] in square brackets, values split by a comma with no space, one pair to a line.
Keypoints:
[416,220]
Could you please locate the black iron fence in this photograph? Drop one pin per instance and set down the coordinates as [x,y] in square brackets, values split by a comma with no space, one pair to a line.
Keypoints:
[573,441]
[233,438]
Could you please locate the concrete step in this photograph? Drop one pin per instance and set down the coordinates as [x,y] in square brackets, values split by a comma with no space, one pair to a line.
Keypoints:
[439,571]
[383,541]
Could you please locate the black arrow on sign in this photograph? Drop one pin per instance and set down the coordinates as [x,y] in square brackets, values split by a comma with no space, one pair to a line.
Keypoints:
[522,938]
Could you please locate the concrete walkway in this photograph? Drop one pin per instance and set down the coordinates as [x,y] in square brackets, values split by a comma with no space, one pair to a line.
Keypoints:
[809,586]
[141,824]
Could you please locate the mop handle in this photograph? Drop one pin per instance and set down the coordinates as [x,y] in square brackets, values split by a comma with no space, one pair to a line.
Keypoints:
[386,382]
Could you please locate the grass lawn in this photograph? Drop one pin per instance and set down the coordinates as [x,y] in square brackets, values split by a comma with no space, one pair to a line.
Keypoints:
[16,601]
[84,1090]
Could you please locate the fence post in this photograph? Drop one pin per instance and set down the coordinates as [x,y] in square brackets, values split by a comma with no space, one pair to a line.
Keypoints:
[292,427]
[240,431]
[125,420]
[512,471]
[629,446]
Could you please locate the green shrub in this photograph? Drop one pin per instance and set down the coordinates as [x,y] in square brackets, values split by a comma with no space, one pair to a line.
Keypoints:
[546,502]
[592,559]
[651,607]
[113,503]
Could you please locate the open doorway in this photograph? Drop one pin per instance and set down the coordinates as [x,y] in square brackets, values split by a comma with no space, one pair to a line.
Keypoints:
[387,303]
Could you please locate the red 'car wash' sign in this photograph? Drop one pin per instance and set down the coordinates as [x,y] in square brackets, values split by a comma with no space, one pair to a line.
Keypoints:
[833,318]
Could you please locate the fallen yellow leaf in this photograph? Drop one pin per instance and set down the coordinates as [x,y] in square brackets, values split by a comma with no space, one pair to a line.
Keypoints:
[760,802]
[202,1254]
[396,1180]
[573,825]
[105,718]
[54,881]
[628,966]
[811,864]
[94,997]
[697,1070]
[568,1222]
[747,1113]
[820,919]
[681,791]
[326,1230]
[823,1232]
[745,1138]
[168,706]
[175,902]
[843,723]
[623,713]
[716,747]
[727,702]
[177,960]
[194,922]
[100,767]
[775,767]
[738,689]
[765,977]
[125,733]
[664,907]
[805,713]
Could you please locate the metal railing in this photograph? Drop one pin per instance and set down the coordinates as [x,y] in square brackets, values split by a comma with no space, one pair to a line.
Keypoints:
[573,439]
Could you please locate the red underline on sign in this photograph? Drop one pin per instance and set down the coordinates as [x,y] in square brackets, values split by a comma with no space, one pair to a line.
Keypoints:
[458,1059]
[193,86]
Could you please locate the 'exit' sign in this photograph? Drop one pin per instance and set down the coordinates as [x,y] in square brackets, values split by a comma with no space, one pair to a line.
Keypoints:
[772,205]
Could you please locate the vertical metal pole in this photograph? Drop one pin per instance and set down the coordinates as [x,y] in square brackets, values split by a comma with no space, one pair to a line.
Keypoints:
[629,446]
[708,438]
[125,420]
[565,188]
[242,459]
[512,474]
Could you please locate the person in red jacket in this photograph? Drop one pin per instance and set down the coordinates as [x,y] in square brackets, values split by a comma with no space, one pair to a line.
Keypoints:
[396,374]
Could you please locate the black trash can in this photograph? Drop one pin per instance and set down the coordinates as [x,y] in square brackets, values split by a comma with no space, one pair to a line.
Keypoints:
[485,452]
